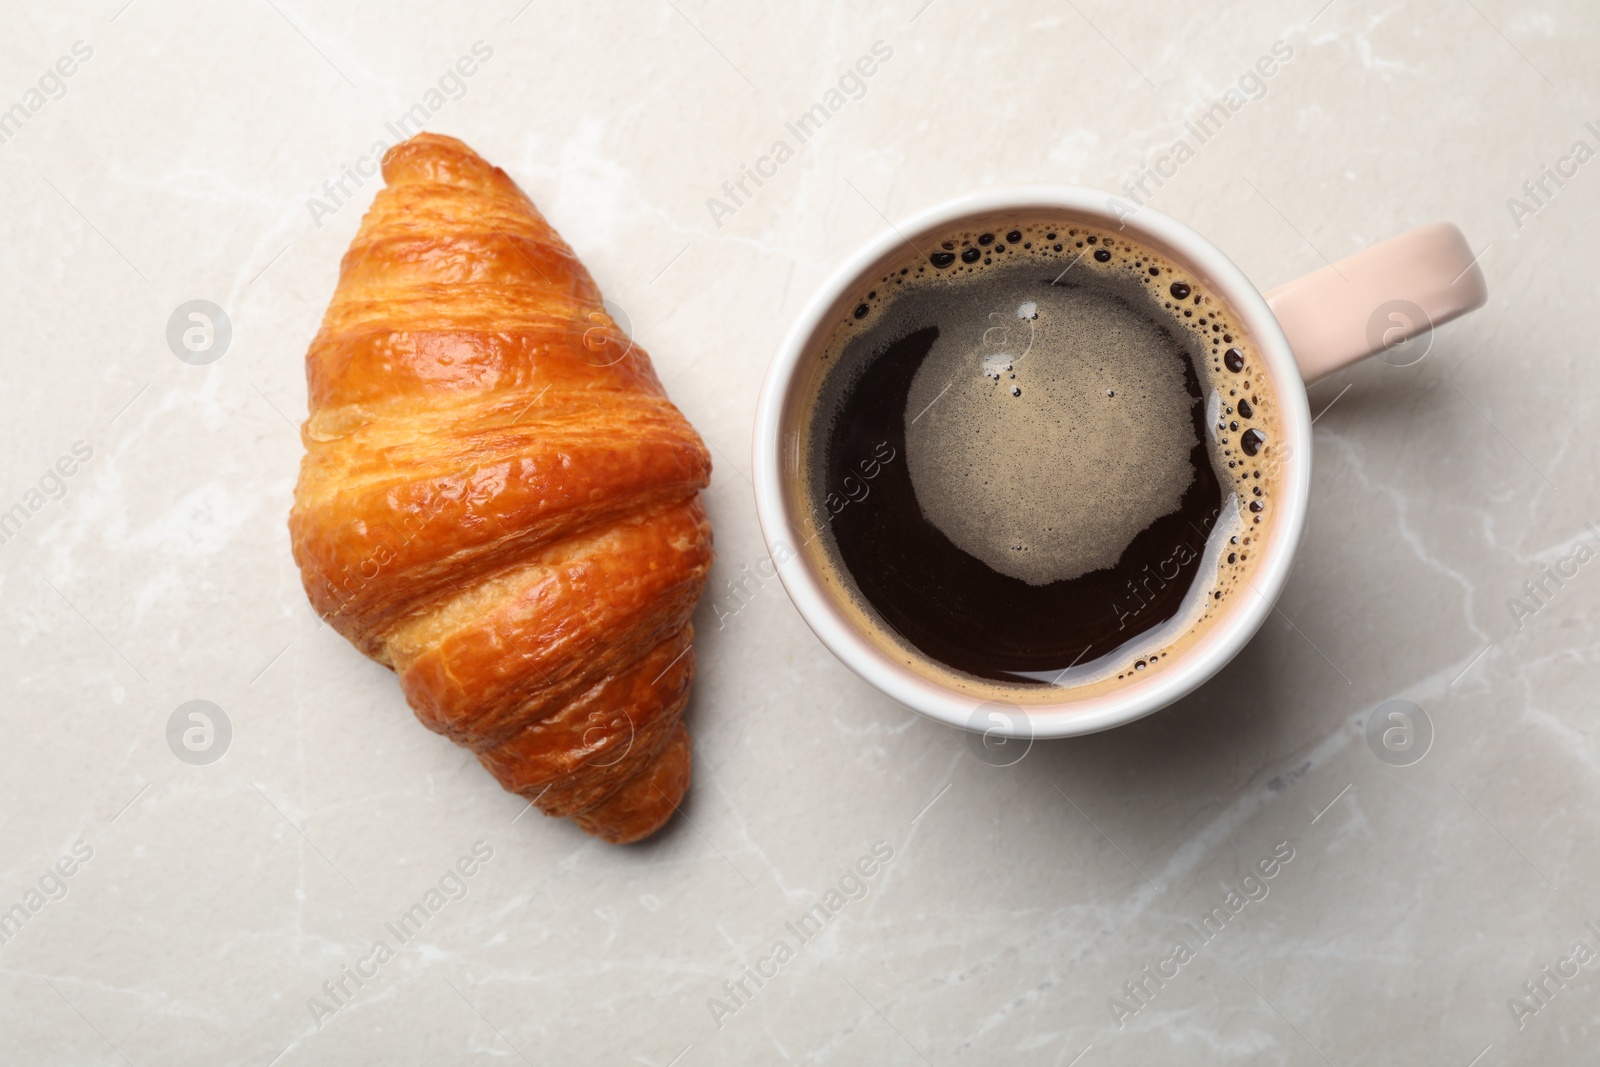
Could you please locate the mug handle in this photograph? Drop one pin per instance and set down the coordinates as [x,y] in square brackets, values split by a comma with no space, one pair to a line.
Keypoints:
[1377,298]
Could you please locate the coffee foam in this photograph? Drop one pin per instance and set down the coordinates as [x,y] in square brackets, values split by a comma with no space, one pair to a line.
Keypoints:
[1017,458]
[1016,411]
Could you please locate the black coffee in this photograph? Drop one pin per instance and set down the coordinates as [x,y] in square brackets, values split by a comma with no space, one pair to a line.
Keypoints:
[1039,455]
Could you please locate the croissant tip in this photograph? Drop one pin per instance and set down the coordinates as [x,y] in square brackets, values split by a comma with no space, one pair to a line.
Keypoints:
[431,141]
[438,157]
[648,802]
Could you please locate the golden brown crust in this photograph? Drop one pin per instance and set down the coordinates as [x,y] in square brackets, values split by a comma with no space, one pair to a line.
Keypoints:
[498,500]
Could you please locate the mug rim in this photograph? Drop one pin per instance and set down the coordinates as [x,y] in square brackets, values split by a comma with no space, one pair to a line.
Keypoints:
[1194,665]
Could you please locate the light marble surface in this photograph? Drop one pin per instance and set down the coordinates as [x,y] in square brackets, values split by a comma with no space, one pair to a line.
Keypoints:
[218,899]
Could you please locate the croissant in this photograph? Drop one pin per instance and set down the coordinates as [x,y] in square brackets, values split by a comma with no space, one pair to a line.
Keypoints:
[498,501]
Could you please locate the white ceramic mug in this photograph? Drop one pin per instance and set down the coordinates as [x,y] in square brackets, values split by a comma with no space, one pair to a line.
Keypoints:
[1368,303]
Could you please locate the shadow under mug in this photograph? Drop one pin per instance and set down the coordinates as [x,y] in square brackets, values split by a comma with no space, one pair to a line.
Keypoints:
[1372,302]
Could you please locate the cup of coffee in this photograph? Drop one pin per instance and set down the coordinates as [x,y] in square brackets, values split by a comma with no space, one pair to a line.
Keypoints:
[1035,464]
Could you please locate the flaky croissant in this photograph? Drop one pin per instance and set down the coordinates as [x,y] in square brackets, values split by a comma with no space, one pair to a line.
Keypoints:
[497,499]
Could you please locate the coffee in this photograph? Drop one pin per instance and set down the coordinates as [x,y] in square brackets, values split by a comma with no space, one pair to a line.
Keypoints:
[1037,456]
